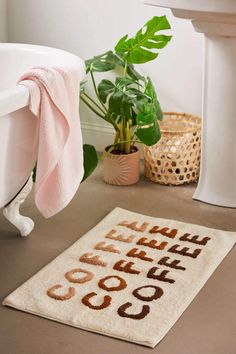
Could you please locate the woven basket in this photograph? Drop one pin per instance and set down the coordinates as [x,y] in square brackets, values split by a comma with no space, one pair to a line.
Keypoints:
[175,159]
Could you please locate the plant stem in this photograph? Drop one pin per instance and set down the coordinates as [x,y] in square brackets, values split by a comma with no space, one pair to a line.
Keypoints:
[92,108]
[96,91]
[95,103]
[128,137]
[121,145]
[116,137]
[125,69]
[105,117]
[127,141]
[131,141]
[112,147]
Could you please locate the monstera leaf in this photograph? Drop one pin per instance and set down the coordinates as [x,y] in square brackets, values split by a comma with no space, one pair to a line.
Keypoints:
[147,127]
[139,49]
[121,96]
[90,160]
[148,130]
[150,91]
[82,86]
[107,62]
[101,63]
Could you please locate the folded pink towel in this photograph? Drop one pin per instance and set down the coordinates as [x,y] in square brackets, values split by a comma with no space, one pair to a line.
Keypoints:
[54,100]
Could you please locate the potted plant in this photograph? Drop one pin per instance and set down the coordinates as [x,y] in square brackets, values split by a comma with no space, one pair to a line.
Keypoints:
[129,102]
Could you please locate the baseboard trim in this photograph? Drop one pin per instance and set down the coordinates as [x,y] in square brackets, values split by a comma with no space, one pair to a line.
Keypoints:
[98,135]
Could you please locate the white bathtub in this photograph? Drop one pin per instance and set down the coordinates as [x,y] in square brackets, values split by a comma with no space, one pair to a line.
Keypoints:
[18,126]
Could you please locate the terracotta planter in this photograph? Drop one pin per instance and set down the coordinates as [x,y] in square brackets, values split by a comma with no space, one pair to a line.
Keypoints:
[121,169]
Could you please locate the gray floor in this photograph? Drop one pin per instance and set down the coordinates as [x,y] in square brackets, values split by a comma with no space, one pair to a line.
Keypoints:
[208,326]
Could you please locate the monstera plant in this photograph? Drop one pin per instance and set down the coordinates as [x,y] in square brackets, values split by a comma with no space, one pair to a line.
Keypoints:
[129,102]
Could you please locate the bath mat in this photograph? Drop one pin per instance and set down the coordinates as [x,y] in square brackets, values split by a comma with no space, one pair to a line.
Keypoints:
[130,277]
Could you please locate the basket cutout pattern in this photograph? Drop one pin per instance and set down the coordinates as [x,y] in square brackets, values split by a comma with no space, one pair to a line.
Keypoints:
[175,159]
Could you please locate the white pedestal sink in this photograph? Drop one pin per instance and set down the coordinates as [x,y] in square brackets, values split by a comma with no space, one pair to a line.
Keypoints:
[216,19]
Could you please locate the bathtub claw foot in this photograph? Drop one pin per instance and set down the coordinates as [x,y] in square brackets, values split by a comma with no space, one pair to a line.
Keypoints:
[12,211]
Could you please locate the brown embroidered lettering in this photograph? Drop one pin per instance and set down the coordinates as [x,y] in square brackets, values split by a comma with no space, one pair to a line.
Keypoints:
[162,276]
[158,292]
[173,264]
[103,246]
[121,238]
[136,253]
[165,231]
[127,267]
[90,259]
[184,251]
[194,239]
[87,277]
[122,283]
[133,225]
[51,293]
[138,316]
[152,243]
[86,301]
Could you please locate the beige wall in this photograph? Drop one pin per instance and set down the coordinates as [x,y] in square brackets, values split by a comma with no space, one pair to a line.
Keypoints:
[3,22]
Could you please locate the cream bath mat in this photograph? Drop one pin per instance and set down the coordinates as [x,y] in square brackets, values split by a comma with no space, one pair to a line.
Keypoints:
[130,277]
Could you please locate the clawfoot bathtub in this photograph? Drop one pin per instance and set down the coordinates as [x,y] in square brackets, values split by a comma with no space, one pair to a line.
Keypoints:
[19,127]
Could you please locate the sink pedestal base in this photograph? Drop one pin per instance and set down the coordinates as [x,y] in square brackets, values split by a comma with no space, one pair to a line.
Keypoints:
[217,183]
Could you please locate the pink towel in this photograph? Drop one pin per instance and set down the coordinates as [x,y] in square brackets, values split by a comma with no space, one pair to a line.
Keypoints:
[54,100]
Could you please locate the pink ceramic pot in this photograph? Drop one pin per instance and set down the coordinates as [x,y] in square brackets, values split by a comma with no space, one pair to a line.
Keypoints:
[121,170]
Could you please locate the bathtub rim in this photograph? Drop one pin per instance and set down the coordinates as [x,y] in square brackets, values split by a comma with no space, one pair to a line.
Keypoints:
[17,96]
